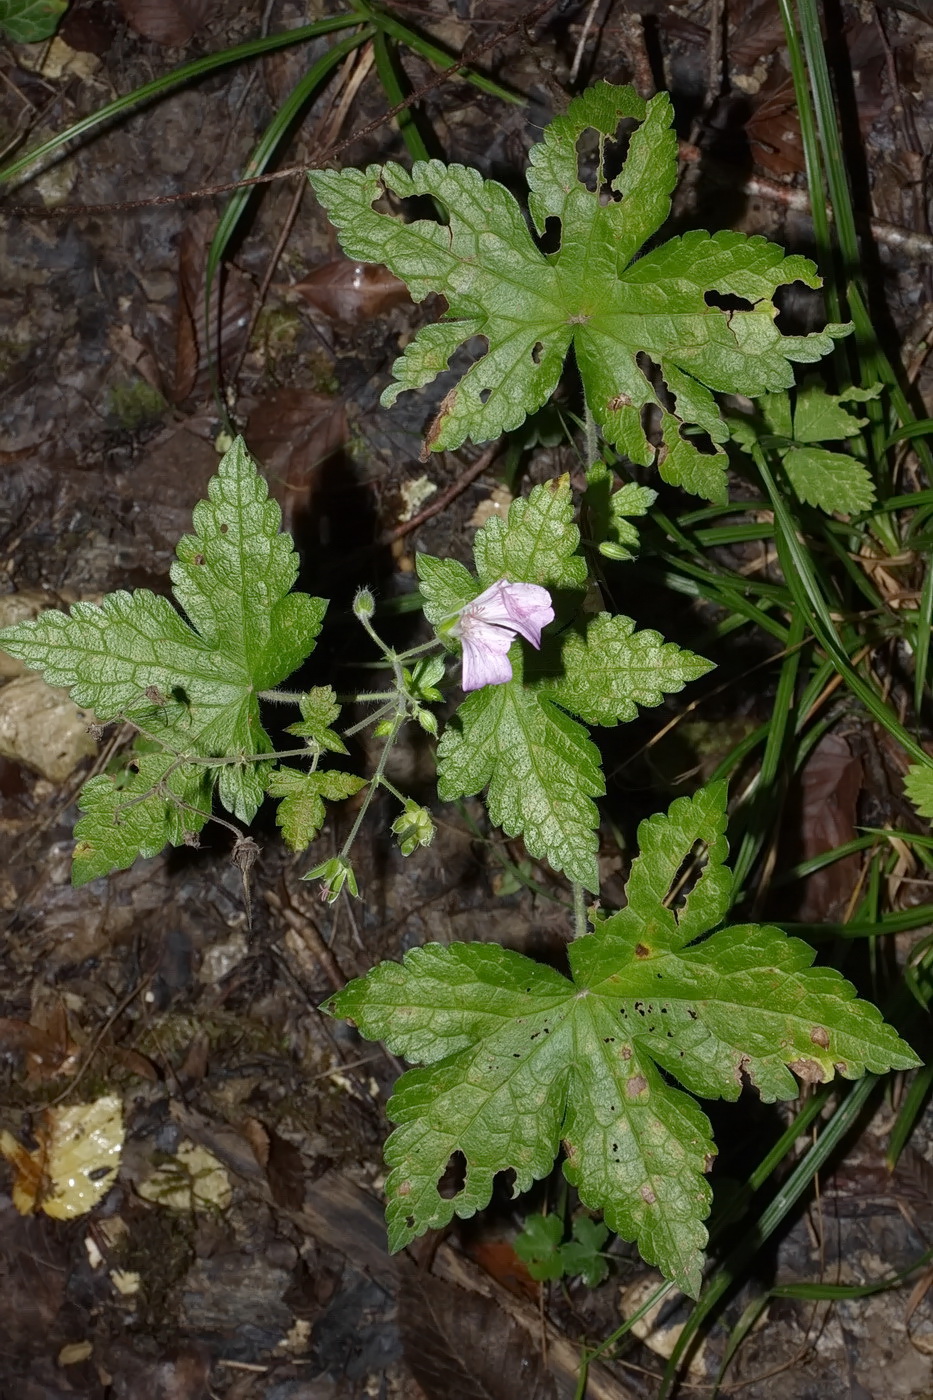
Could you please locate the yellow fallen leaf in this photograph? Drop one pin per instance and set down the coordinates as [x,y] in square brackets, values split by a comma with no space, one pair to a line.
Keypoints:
[74,1353]
[76,1160]
[192,1180]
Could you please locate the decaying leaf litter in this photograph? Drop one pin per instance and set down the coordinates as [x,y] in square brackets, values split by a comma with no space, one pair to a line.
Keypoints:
[240,1252]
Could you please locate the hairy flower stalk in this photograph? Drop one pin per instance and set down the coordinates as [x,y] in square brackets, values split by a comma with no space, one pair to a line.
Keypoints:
[488,626]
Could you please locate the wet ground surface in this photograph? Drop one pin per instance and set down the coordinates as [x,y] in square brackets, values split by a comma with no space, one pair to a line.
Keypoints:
[257,1270]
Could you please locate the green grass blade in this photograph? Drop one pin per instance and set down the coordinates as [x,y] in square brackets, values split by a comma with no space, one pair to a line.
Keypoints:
[921,647]
[808,595]
[830,1292]
[920,427]
[750,1315]
[761,813]
[811,152]
[265,152]
[773,1215]
[168,81]
[440,58]
[385,56]
[900,921]
[915,1101]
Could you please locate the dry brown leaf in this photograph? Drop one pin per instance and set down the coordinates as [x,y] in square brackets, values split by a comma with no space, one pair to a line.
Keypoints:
[460,1344]
[757,34]
[291,433]
[498,1259]
[774,127]
[351,292]
[169,22]
[232,296]
[136,354]
[88,27]
[44,1041]
[830,784]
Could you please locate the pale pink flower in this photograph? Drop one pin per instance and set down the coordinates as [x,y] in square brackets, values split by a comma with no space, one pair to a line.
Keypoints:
[489,624]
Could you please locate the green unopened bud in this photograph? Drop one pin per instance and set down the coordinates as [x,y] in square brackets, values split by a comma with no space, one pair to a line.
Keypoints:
[383,729]
[614,551]
[413,828]
[428,721]
[364,604]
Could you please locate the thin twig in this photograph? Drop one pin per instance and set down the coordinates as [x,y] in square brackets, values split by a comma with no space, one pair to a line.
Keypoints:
[916,245]
[581,44]
[456,489]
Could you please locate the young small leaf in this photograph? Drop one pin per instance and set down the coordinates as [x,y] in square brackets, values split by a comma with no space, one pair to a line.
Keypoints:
[538,1246]
[820,417]
[301,812]
[516,1059]
[582,1256]
[608,512]
[833,481]
[918,786]
[631,321]
[319,709]
[829,480]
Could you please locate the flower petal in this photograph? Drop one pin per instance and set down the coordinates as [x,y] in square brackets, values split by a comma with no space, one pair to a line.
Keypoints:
[485,655]
[523,607]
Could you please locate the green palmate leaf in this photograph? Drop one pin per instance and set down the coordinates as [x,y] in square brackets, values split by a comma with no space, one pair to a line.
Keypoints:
[319,709]
[581,1257]
[540,766]
[918,786]
[538,1246]
[516,1059]
[161,802]
[631,321]
[30,21]
[832,481]
[301,811]
[606,670]
[193,685]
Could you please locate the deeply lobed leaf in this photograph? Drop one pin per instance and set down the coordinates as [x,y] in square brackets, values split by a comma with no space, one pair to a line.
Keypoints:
[633,322]
[516,1059]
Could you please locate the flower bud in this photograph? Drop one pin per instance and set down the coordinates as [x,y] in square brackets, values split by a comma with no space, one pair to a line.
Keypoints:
[364,604]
